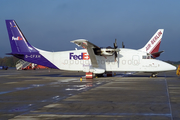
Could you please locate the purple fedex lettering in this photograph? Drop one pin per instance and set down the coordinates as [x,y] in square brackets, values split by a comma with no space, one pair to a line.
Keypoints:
[75,57]
[82,56]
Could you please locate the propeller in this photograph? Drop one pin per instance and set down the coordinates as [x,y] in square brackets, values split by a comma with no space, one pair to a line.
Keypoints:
[115,44]
[116,50]
[123,46]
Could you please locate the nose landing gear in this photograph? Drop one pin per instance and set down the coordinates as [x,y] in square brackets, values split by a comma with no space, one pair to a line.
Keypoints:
[153,75]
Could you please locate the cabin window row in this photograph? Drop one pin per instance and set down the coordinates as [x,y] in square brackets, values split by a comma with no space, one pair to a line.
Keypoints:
[146,57]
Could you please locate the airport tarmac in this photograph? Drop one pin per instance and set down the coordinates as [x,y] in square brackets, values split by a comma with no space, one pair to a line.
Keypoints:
[53,94]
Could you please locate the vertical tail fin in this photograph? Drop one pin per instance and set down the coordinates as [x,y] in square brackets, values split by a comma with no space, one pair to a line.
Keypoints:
[153,44]
[23,50]
[18,42]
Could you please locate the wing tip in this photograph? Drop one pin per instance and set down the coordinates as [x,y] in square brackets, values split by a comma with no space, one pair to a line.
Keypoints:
[79,40]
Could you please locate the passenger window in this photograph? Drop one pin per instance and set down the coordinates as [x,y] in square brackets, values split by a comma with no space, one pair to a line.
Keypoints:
[144,57]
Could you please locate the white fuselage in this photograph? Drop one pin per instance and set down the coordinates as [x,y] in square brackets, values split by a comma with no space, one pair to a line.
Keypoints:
[127,60]
[92,59]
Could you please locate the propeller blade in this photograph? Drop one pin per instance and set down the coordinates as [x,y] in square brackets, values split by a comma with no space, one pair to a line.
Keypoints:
[123,46]
[115,44]
[118,59]
[115,55]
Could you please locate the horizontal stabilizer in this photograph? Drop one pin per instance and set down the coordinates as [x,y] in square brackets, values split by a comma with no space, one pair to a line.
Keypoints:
[156,54]
[14,54]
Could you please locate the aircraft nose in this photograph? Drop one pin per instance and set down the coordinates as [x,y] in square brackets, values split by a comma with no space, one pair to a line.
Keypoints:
[167,67]
[173,67]
[170,67]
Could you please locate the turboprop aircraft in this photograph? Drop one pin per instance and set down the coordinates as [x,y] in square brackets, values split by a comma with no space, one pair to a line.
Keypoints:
[92,60]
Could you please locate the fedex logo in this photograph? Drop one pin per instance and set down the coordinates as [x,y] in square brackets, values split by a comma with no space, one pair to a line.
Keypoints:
[82,56]
[17,38]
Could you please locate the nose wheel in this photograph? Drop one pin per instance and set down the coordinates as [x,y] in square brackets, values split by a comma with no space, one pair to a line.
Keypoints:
[153,75]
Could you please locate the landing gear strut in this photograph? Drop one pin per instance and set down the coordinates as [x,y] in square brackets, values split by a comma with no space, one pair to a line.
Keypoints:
[153,75]
[99,75]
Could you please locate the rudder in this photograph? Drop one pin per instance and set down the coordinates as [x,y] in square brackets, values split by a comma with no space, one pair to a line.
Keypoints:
[154,43]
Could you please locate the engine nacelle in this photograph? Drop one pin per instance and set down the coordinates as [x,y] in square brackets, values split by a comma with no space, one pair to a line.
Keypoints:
[109,51]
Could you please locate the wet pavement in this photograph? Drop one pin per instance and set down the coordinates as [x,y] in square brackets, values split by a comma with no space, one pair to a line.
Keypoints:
[54,94]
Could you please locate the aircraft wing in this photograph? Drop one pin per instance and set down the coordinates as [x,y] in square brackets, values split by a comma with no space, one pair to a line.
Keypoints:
[89,46]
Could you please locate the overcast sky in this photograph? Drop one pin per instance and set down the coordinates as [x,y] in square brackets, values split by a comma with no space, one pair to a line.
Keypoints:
[52,24]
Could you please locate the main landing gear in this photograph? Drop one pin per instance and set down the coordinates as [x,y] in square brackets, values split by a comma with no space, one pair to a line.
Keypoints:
[107,74]
[90,75]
